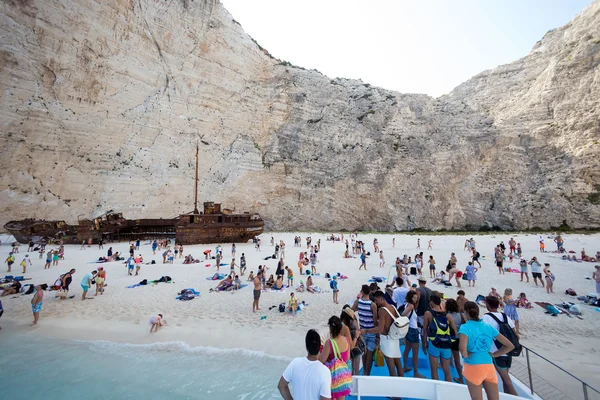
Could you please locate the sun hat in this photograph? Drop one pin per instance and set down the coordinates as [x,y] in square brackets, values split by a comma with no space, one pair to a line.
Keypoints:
[349,311]
[422,279]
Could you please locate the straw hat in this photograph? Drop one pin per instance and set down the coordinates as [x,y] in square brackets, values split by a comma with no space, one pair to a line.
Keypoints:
[349,311]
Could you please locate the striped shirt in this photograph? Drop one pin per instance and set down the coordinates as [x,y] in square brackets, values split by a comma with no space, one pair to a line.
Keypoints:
[365,314]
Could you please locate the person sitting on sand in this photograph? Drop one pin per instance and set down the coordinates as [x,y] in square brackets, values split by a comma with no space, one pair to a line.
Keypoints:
[293,304]
[301,287]
[347,254]
[495,293]
[440,277]
[585,257]
[309,285]
[278,283]
[251,276]
[270,282]
[155,322]
[224,284]
[237,283]
[14,288]
[522,302]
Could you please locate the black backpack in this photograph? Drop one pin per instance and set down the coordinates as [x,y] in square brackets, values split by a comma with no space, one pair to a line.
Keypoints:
[282,307]
[507,331]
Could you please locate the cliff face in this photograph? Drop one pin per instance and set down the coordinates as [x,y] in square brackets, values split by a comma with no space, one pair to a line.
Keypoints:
[103,103]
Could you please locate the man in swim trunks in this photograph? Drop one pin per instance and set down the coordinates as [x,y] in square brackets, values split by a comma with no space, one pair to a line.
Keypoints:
[256,292]
[36,304]
[86,282]
[386,314]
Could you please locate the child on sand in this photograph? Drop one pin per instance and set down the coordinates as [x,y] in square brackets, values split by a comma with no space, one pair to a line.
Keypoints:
[549,278]
[293,304]
[251,276]
[290,276]
[471,272]
[510,308]
[522,302]
[155,322]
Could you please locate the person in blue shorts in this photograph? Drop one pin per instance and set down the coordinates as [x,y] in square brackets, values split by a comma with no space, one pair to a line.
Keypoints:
[438,330]
[86,282]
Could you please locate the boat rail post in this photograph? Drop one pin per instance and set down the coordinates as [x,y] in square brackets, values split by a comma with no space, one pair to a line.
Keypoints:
[529,370]
[585,391]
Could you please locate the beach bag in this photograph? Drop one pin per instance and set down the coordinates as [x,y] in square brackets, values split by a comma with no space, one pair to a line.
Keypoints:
[282,307]
[413,270]
[439,331]
[399,327]
[464,277]
[508,332]
[378,357]
[341,376]
[570,292]
[331,284]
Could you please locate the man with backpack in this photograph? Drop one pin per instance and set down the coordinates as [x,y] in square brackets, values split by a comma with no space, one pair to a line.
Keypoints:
[503,324]
[438,331]
[389,334]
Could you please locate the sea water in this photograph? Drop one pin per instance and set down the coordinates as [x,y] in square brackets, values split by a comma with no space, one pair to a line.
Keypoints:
[32,368]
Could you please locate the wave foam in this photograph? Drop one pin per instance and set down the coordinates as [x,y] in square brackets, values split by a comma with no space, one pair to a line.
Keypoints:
[177,347]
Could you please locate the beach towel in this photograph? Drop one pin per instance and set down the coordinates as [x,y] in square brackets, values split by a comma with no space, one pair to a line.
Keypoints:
[216,277]
[133,286]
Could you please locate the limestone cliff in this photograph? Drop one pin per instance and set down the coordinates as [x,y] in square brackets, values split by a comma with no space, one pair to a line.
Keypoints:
[102,105]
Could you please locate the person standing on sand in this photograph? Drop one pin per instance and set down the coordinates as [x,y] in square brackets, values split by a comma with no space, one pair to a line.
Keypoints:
[101,244]
[381,259]
[419,243]
[536,271]
[366,313]
[512,246]
[100,279]
[386,314]
[334,287]
[86,282]
[499,260]
[471,272]
[596,278]
[24,263]
[218,260]
[393,242]
[48,259]
[36,304]
[542,245]
[242,264]
[430,245]
[523,265]
[155,322]
[256,292]
[138,264]
[549,276]
[10,260]
[310,379]
[476,256]
[65,281]
[431,267]
[363,260]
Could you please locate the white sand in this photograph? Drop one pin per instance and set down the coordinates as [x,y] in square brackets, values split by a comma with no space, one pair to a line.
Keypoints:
[226,320]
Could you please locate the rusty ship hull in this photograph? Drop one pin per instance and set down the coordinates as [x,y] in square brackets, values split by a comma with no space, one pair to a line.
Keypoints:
[212,226]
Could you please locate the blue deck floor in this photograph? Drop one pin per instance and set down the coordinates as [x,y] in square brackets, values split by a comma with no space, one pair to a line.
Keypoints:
[423,370]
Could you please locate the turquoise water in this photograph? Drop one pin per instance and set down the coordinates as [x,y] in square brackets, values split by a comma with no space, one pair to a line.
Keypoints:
[61,369]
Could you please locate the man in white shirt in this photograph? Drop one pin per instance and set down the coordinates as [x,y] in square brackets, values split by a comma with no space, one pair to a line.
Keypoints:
[502,363]
[310,379]
[399,293]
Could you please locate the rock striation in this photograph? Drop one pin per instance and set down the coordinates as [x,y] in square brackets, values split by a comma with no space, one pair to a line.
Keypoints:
[103,103]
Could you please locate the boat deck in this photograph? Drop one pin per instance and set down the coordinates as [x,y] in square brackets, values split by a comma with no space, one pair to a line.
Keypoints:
[424,369]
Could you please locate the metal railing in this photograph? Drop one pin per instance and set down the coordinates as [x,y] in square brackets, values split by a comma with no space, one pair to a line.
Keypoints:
[571,387]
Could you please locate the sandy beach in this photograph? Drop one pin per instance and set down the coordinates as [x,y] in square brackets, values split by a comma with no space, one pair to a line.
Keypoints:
[226,320]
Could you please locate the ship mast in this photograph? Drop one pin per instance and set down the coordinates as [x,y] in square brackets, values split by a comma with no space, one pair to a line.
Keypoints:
[196,184]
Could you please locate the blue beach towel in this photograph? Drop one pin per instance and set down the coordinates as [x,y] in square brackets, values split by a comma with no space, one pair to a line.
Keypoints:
[220,276]
[133,286]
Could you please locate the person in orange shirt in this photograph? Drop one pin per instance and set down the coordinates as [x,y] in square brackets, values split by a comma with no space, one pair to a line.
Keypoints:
[138,263]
